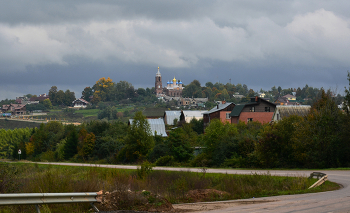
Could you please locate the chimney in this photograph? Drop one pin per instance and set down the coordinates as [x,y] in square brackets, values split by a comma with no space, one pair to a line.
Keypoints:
[217,106]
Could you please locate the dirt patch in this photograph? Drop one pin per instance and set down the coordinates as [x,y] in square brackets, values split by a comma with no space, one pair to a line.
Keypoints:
[202,195]
[137,201]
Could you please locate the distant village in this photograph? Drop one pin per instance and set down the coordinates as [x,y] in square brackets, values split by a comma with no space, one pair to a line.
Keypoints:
[215,125]
[263,107]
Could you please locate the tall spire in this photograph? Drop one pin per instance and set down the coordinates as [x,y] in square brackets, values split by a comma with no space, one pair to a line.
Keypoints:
[158,73]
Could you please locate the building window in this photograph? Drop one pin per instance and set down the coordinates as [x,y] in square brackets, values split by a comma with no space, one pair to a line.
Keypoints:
[252,109]
[228,115]
[250,119]
[267,109]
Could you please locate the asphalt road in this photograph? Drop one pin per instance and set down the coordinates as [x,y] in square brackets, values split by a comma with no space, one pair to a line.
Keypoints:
[333,201]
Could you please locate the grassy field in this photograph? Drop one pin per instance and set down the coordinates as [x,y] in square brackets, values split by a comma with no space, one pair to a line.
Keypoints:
[88,112]
[134,187]
[13,124]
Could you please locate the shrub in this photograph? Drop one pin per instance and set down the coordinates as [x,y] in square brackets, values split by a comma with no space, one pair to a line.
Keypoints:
[8,180]
[165,161]
[144,170]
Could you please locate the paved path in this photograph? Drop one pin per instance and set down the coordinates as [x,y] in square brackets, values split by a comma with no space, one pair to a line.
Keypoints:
[333,201]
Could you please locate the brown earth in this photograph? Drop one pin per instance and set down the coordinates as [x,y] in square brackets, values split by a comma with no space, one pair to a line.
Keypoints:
[137,201]
[202,195]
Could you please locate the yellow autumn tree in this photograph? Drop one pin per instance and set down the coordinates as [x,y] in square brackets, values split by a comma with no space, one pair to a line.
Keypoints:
[30,148]
[103,90]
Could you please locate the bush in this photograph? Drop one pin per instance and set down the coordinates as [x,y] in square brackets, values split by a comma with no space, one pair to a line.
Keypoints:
[157,152]
[200,160]
[144,170]
[48,156]
[8,180]
[165,161]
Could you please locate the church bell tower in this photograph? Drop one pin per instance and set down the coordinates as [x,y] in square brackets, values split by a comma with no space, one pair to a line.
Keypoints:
[158,83]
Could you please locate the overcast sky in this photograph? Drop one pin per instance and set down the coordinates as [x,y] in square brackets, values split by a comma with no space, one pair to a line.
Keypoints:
[71,44]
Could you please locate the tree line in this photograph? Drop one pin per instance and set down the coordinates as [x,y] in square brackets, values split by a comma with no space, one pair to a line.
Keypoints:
[123,92]
[318,140]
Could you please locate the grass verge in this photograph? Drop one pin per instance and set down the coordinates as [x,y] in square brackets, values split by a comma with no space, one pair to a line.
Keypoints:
[176,187]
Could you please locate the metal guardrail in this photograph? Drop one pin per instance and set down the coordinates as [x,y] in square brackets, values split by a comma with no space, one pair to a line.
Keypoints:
[322,177]
[317,174]
[48,198]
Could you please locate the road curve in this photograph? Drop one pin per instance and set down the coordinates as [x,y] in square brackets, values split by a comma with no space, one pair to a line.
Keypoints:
[332,201]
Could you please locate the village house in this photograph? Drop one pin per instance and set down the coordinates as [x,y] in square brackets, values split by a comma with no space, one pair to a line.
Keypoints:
[290,97]
[15,109]
[258,109]
[285,101]
[157,126]
[193,102]
[184,116]
[39,98]
[221,111]
[171,116]
[80,103]
[283,111]
[192,114]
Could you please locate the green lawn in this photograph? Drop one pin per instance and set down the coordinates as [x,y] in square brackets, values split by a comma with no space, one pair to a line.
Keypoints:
[88,112]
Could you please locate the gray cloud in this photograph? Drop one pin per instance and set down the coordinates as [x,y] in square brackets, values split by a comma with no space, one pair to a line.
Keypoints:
[261,44]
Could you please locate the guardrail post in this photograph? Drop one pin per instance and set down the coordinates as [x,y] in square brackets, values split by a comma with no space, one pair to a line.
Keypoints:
[319,182]
[37,209]
[94,207]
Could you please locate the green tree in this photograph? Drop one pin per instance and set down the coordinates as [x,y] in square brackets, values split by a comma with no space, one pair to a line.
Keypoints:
[69,97]
[279,89]
[192,90]
[109,113]
[276,147]
[86,143]
[60,98]
[322,139]
[70,147]
[346,104]
[139,140]
[87,93]
[197,125]
[52,95]
[251,93]
[209,84]
[219,142]
[121,90]
[141,91]
[47,103]
[179,145]
[32,107]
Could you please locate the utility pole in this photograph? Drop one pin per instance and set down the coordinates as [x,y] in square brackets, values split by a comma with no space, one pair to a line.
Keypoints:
[230,80]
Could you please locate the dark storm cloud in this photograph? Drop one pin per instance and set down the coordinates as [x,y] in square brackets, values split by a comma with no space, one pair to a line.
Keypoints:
[53,12]
[71,44]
